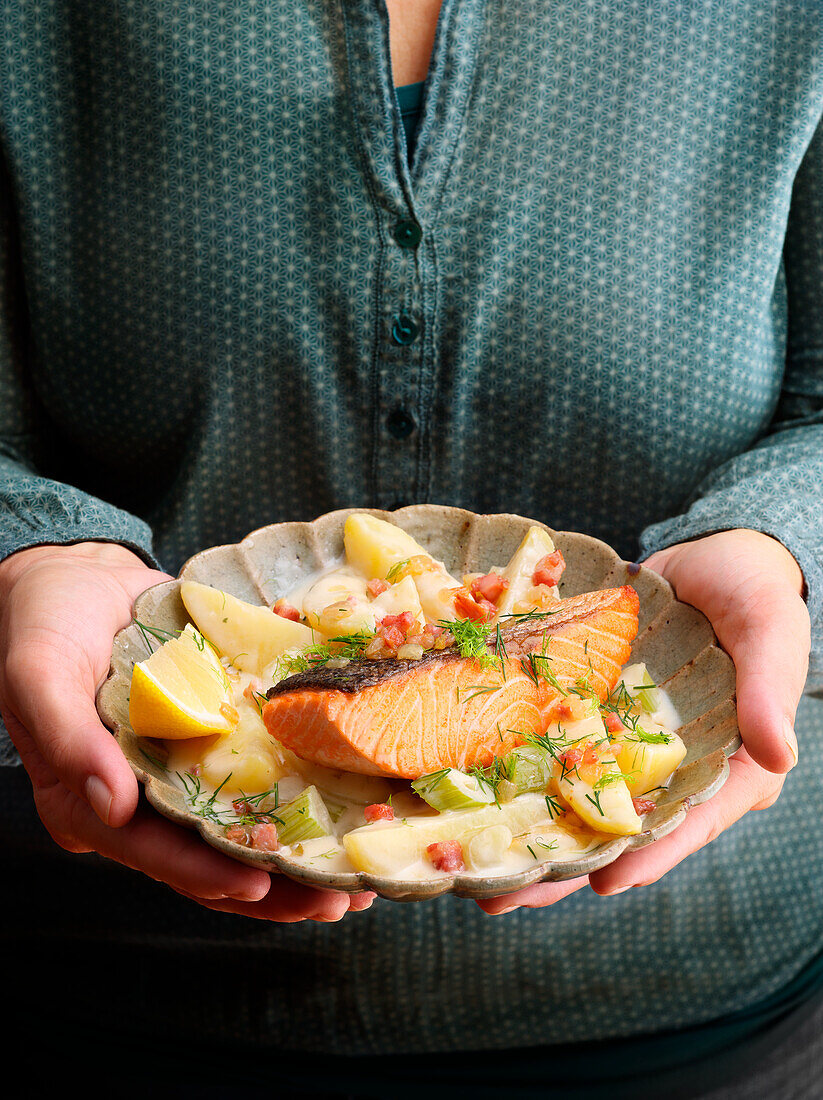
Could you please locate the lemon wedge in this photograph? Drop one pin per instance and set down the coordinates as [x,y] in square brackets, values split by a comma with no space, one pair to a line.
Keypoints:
[181,691]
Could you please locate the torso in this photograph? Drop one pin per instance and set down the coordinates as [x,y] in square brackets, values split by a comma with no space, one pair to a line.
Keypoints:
[413,24]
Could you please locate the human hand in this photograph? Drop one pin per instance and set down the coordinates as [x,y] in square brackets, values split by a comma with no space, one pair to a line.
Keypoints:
[60,607]
[749,587]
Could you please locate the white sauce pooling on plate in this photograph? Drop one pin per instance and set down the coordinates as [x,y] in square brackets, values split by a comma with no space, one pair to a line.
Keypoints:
[249,766]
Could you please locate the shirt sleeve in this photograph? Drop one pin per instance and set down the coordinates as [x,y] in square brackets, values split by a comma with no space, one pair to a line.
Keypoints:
[777,486]
[34,509]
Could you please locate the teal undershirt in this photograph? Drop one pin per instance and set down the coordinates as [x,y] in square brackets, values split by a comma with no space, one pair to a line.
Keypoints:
[410,98]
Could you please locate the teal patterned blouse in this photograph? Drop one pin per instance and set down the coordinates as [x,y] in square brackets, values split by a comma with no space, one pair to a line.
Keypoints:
[595,298]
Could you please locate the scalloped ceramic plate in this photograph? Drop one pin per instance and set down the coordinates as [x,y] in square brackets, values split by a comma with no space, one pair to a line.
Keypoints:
[675,641]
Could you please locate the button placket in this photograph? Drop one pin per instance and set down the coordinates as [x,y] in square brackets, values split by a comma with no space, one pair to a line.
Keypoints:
[400,366]
[404,329]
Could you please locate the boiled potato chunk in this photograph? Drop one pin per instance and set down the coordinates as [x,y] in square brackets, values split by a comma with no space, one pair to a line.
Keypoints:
[388,849]
[246,760]
[607,808]
[436,588]
[536,545]
[338,604]
[553,841]
[488,847]
[398,598]
[374,546]
[251,637]
[649,764]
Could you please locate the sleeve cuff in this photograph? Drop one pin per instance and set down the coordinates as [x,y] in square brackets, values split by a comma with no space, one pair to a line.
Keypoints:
[702,520]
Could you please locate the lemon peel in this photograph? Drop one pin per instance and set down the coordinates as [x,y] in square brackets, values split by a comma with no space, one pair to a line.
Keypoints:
[181,691]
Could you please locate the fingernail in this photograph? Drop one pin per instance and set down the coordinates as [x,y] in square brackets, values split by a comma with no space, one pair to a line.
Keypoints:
[503,912]
[622,890]
[99,797]
[633,568]
[790,738]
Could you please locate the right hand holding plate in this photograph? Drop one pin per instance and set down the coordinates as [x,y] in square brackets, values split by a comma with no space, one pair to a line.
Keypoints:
[60,607]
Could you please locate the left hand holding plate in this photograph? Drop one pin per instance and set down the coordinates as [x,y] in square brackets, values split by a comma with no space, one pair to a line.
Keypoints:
[749,587]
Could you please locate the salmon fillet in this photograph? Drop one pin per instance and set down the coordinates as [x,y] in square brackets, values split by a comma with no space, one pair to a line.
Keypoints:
[407,718]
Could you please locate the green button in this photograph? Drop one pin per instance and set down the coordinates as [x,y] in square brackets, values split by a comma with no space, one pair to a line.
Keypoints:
[408,234]
[404,330]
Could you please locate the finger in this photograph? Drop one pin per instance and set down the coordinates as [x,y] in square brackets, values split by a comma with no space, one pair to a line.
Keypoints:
[360,902]
[52,720]
[286,902]
[770,649]
[151,845]
[747,787]
[536,896]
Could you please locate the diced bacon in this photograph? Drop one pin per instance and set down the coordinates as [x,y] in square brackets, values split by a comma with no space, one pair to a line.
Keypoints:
[590,757]
[393,636]
[549,569]
[263,837]
[404,621]
[376,587]
[236,833]
[446,855]
[489,587]
[612,722]
[286,611]
[642,806]
[570,759]
[378,811]
[479,610]
[395,629]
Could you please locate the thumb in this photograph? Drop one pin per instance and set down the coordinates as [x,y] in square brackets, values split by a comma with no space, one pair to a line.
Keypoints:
[770,649]
[762,622]
[60,737]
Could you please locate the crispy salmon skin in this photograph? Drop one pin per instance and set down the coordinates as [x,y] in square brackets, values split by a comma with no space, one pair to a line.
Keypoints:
[407,718]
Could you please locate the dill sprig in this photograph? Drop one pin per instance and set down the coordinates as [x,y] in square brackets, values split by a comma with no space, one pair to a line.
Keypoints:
[202,804]
[537,668]
[352,646]
[529,616]
[156,760]
[431,779]
[621,703]
[259,701]
[474,690]
[155,632]
[647,738]
[244,810]
[250,811]
[611,777]
[492,775]
[471,639]
[349,647]
[595,801]
[554,807]
[396,570]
